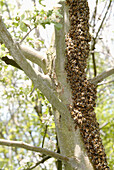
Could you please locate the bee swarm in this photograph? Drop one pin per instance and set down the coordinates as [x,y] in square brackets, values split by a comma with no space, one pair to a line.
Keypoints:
[83,92]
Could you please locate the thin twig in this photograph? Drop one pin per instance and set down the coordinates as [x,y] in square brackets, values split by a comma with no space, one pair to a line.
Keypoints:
[45,132]
[27,35]
[107,82]
[103,20]
[99,17]
[99,29]
[93,58]
[7,9]
[30,132]
[39,162]
[103,125]
[34,2]
[94,16]
[9,13]
[58,162]
[93,40]
[106,123]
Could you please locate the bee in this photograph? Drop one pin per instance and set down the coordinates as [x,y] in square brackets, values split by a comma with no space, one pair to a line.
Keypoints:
[83,92]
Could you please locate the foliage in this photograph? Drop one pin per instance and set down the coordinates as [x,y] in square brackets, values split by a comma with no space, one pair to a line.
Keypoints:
[19,120]
[105,112]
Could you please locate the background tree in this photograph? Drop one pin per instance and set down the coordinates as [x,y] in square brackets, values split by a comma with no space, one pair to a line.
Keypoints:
[27,115]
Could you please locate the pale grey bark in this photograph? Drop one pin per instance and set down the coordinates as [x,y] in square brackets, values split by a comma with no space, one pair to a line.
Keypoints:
[35,57]
[64,89]
[72,161]
[27,146]
[70,140]
[102,76]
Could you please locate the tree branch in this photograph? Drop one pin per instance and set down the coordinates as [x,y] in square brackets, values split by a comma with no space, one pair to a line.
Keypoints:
[32,55]
[103,20]
[103,125]
[106,123]
[102,76]
[7,8]
[27,34]
[39,162]
[17,54]
[11,62]
[29,53]
[27,146]
[93,44]
[20,144]
[35,57]
[107,82]
[94,39]
[45,132]
[40,81]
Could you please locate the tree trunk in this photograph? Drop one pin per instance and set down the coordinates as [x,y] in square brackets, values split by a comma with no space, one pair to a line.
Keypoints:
[71,133]
[70,140]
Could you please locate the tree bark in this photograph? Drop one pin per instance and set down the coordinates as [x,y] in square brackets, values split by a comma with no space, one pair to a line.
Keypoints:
[70,140]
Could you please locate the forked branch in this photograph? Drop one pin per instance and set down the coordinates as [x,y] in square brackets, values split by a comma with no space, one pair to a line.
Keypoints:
[40,81]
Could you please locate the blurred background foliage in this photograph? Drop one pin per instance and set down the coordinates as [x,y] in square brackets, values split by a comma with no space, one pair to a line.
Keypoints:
[29,118]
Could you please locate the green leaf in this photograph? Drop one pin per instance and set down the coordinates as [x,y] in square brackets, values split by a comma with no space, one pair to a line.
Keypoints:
[49,13]
[40,2]
[3,47]
[58,26]
[41,41]
[22,16]
[42,12]
[1,3]
[23,27]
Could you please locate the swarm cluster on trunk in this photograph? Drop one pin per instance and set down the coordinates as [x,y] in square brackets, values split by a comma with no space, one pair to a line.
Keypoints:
[83,92]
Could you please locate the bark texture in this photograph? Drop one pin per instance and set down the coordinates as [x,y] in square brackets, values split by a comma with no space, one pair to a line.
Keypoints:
[83,92]
[70,140]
